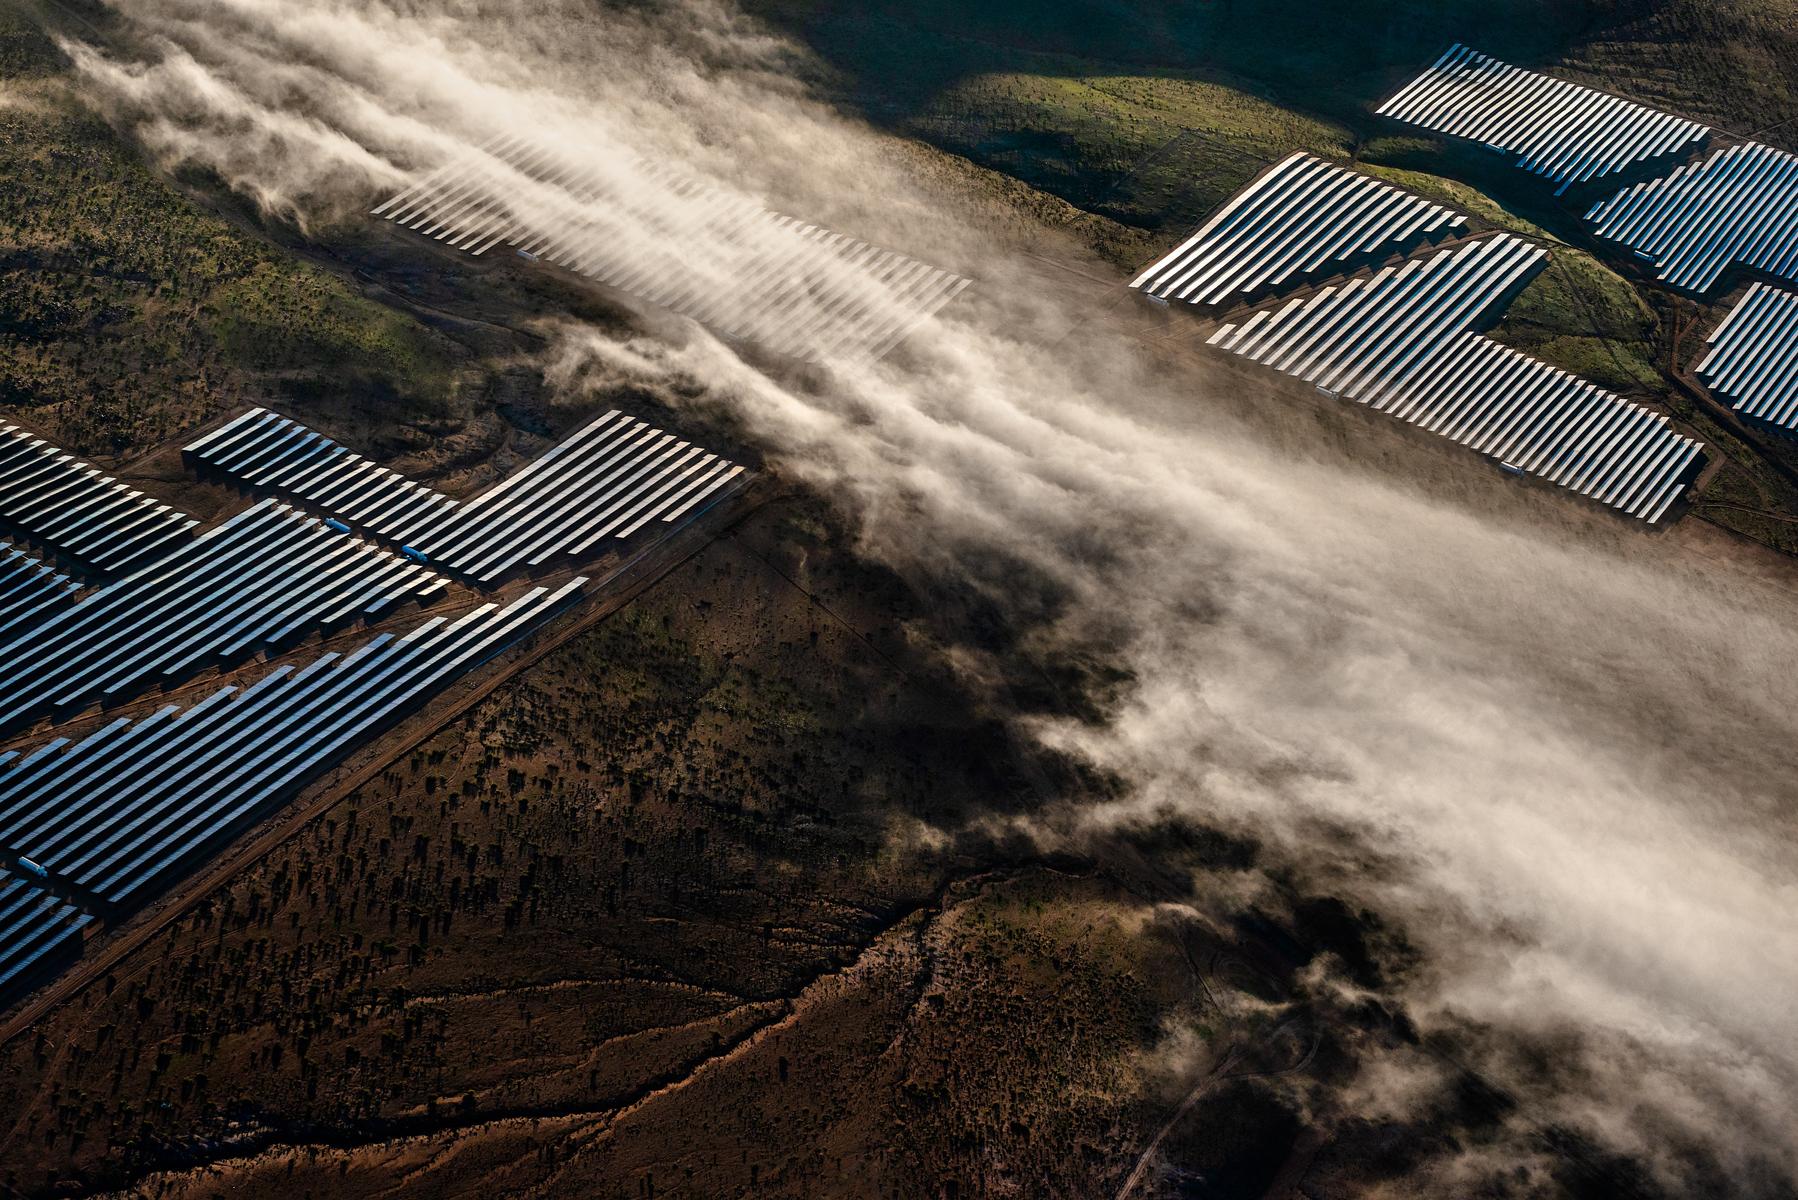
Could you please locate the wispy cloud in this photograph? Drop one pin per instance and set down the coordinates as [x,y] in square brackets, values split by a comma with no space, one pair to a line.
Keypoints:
[1554,753]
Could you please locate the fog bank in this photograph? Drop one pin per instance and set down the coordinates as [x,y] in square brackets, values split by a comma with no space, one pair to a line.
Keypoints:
[1559,762]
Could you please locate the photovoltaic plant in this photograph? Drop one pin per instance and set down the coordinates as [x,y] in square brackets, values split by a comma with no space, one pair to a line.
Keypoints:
[1736,208]
[92,519]
[114,814]
[1303,220]
[110,815]
[94,823]
[1753,358]
[1564,132]
[1402,342]
[739,269]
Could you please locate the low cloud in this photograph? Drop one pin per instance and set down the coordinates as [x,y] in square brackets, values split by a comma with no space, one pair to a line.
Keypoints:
[1554,753]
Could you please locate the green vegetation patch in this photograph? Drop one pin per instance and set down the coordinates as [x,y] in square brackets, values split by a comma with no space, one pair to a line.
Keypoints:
[129,313]
[1582,316]
[25,50]
[1150,150]
[1732,63]
[1325,57]
[282,315]
[1460,196]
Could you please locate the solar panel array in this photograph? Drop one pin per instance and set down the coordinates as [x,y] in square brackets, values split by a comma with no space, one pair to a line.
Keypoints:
[36,927]
[1560,130]
[108,815]
[263,578]
[1737,207]
[28,589]
[263,449]
[117,812]
[1400,341]
[607,480]
[1305,218]
[1753,360]
[746,272]
[62,502]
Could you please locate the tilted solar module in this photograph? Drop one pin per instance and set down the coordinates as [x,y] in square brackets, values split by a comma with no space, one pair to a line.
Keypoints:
[1736,208]
[1401,341]
[37,929]
[1560,130]
[119,811]
[1305,219]
[29,590]
[93,519]
[607,480]
[741,270]
[265,451]
[1753,358]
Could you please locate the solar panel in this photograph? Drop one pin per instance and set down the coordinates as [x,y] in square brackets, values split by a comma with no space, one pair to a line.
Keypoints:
[1304,219]
[743,271]
[29,590]
[1402,342]
[1564,132]
[1738,207]
[38,929]
[93,519]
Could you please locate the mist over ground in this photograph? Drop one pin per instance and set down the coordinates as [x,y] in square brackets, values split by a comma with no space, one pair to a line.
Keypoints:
[1552,756]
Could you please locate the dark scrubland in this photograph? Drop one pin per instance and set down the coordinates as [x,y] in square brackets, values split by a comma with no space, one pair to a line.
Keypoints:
[671,912]
[663,913]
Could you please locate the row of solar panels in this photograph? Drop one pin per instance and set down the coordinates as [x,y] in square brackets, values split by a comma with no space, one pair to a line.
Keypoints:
[264,579]
[93,519]
[1400,342]
[114,814]
[1403,342]
[28,588]
[793,287]
[607,480]
[1305,218]
[263,449]
[1737,207]
[1753,357]
[1566,133]
[38,930]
